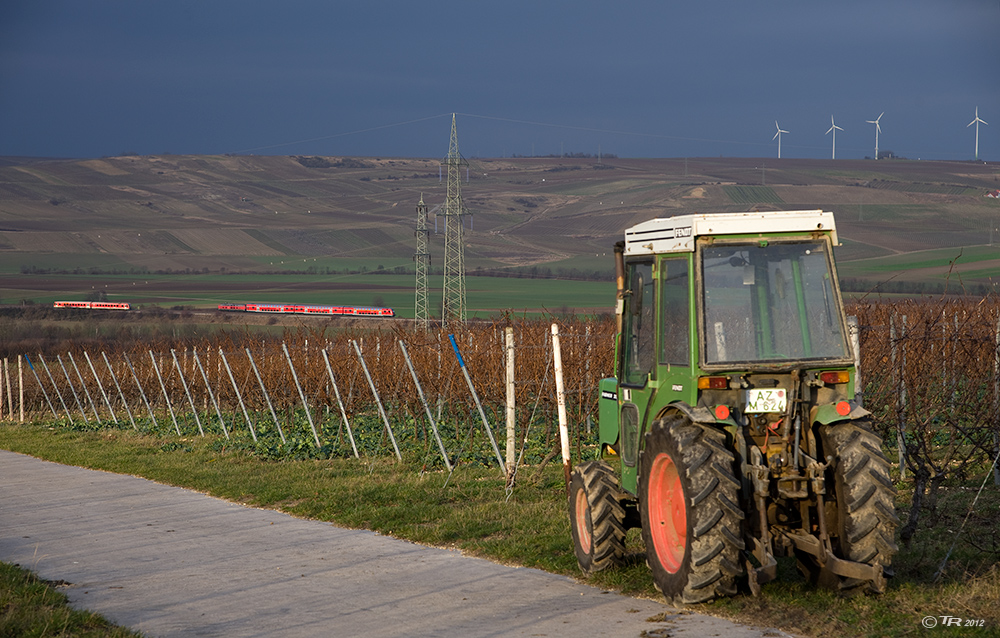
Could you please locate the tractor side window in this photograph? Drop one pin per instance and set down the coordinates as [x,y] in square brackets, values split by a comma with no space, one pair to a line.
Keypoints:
[639,324]
[675,344]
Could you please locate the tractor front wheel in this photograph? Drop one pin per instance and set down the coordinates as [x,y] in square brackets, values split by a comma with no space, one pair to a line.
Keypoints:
[689,505]
[597,517]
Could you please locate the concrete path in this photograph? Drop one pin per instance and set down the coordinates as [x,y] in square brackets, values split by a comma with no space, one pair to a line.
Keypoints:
[172,562]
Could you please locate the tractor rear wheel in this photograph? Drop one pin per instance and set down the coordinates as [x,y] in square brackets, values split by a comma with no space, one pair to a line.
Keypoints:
[689,506]
[865,526]
[597,517]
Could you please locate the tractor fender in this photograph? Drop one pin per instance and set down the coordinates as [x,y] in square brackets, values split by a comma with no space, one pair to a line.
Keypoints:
[697,414]
[829,413]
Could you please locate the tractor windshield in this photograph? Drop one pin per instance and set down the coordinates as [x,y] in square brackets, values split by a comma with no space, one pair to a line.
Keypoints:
[770,302]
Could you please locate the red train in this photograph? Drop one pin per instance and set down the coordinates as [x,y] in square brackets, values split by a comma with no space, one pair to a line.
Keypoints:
[92,305]
[300,309]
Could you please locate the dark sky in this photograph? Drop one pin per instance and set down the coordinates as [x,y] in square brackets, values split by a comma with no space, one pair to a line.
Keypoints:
[381,78]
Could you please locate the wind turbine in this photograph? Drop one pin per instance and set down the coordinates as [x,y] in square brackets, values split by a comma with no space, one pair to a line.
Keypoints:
[878,129]
[778,136]
[977,122]
[834,128]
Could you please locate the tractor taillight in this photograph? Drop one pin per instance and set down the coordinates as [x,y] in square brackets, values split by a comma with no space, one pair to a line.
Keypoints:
[836,376]
[713,383]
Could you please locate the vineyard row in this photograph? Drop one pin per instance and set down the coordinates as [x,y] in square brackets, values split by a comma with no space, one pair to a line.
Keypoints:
[930,374]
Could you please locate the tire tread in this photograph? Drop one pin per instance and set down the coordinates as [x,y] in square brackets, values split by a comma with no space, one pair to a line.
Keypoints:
[714,519]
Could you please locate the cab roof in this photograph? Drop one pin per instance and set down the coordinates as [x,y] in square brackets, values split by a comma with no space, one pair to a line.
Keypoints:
[677,234]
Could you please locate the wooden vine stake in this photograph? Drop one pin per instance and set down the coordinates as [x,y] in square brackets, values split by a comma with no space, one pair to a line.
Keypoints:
[561,401]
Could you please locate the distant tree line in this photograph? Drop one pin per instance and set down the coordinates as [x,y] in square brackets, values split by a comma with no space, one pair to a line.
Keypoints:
[920,288]
[542,272]
[35,270]
[525,272]
[323,162]
[848,284]
[570,156]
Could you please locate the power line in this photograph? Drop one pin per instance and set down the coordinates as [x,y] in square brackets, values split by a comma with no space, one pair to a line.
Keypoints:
[603,131]
[335,135]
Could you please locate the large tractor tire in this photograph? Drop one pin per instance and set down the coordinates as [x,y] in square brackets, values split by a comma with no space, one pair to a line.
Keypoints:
[865,526]
[597,517]
[689,506]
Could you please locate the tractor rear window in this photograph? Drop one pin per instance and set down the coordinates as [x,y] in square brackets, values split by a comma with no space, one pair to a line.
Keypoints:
[770,302]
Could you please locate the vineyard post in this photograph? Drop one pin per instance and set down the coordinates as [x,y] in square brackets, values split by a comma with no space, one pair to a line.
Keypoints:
[423,400]
[340,403]
[267,397]
[511,420]
[10,396]
[350,387]
[561,401]
[194,352]
[855,331]
[211,395]
[20,388]
[440,400]
[953,395]
[101,386]
[40,385]
[479,404]
[239,397]
[194,410]
[901,405]
[218,377]
[302,396]
[55,387]
[69,382]
[903,333]
[996,401]
[944,351]
[378,400]
[1,391]
[142,392]
[166,396]
[86,392]
[121,394]
[900,384]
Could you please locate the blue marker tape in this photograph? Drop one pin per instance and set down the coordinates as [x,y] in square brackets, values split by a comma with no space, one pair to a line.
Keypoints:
[458,354]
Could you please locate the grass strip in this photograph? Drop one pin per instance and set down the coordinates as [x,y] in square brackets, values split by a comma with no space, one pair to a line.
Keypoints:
[31,607]
[472,512]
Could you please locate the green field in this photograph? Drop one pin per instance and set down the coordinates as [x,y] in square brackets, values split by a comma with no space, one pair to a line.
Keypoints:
[752,195]
[942,257]
[487,296]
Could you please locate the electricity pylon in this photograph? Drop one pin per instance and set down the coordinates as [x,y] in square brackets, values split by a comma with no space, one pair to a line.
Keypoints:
[453,305]
[422,259]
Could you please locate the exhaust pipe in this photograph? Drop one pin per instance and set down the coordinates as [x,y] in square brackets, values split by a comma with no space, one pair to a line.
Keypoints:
[620,282]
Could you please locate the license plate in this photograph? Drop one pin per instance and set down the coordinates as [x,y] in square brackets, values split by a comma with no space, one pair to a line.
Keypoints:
[766,400]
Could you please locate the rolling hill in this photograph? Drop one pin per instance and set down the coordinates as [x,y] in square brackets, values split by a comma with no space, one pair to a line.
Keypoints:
[899,220]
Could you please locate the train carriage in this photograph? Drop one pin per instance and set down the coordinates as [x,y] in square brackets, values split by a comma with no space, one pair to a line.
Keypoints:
[93,305]
[302,309]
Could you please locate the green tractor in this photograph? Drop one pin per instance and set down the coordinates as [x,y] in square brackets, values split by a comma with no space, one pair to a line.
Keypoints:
[732,421]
